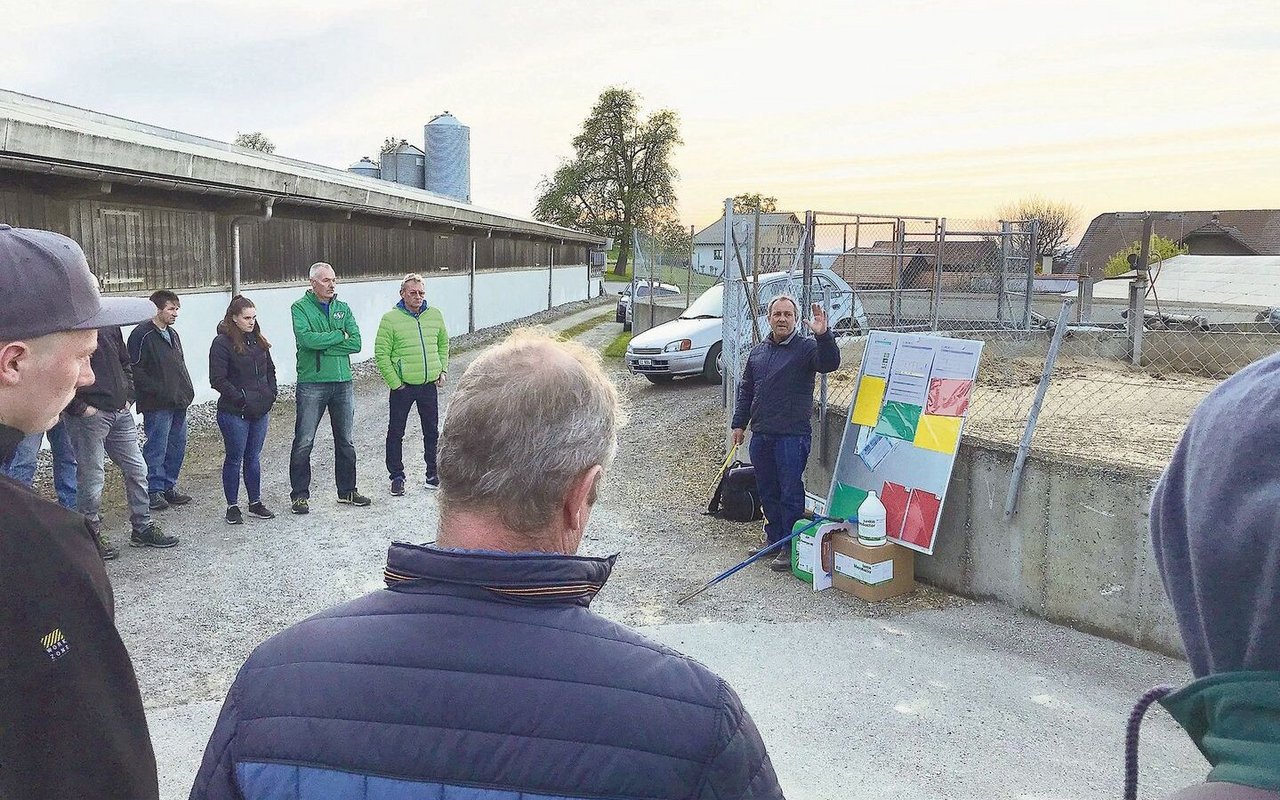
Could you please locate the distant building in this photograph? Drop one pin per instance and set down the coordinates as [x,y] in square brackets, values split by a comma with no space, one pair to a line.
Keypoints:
[1204,233]
[779,241]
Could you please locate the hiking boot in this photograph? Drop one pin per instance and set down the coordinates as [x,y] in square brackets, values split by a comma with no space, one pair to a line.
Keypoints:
[234,517]
[158,503]
[354,498]
[176,498]
[432,482]
[106,549]
[257,509]
[300,506]
[397,487]
[781,562]
[151,536]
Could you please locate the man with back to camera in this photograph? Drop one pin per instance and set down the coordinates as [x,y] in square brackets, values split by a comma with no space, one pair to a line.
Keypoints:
[775,396]
[164,390]
[71,717]
[412,353]
[479,672]
[327,335]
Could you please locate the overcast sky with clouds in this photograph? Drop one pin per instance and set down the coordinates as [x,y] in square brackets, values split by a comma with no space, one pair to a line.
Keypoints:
[932,107]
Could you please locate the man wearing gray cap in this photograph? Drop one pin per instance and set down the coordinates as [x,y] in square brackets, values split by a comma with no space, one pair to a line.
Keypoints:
[71,718]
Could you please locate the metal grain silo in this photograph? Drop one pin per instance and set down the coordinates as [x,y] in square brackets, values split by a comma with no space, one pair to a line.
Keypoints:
[366,167]
[405,165]
[448,144]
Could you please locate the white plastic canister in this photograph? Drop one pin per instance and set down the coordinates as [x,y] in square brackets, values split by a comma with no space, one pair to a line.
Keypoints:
[871,525]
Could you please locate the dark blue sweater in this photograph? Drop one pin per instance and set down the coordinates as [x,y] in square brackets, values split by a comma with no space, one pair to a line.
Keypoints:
[776,391]
[479,676]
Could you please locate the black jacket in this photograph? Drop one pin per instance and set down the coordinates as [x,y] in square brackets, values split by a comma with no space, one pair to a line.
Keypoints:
[245,382]
[71,719]
[776,391]
[112,389]
[160,375]
[479,676]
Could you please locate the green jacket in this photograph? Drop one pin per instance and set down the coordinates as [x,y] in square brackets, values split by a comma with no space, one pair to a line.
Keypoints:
[411,349]
[1234,719]
[325,340]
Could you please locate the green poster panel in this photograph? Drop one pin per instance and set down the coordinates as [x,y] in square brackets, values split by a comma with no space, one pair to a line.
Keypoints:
[899,420]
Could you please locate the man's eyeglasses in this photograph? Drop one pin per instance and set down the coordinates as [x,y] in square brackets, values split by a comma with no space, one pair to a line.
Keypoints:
[419,293]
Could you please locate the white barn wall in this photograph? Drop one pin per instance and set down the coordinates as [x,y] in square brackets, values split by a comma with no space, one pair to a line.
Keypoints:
[500,297]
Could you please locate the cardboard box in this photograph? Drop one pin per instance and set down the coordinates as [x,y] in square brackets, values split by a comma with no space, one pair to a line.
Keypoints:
[872,573]
[815,542]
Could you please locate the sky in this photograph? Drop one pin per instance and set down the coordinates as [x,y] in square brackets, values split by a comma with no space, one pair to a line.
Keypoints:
[932,108]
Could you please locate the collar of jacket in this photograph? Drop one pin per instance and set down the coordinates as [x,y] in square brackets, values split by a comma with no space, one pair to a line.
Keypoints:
[1234,718]
[785,341]
[311,293]
[421,311]
[531,578]
[10,438]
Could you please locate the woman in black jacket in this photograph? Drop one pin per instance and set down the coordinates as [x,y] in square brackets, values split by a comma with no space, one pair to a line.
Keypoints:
[241,370]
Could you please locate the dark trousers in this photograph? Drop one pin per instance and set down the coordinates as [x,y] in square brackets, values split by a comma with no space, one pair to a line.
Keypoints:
[165,447]
[22,466]
[779,463]
[313,400]
[243,440]
[428,413]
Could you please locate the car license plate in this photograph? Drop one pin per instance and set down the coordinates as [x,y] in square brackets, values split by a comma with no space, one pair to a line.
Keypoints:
[644,362]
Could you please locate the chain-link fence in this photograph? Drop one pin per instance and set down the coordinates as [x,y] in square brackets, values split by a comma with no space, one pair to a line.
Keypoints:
[663,275]
[1118,392]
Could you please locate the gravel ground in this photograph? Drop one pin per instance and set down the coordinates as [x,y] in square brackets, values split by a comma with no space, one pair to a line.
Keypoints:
[192,614]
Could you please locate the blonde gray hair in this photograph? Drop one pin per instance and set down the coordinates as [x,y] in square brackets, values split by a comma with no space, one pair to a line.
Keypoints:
[314,272]
[528,417]
[412,277]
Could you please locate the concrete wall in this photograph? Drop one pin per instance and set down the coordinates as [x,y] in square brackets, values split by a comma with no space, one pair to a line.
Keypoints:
[661,313]
[1076,550]
[500,297]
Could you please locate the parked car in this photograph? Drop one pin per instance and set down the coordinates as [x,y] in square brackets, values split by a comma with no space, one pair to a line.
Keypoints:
[643,289]
[691,343]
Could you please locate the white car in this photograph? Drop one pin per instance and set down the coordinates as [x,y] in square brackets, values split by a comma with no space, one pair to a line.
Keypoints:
[691,343]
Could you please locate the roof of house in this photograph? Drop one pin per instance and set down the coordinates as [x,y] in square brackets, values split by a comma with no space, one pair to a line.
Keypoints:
[47,137]
[1257,230]
[1209,280]
[714,233]
[874,264]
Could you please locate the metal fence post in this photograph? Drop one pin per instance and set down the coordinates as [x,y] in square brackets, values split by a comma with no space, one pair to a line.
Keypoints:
[1032,243]
[1024,448]
[936,305]
[1006,232]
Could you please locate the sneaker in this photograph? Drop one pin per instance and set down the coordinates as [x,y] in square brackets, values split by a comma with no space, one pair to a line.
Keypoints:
[432,482]
[234,517]
[176,498]
[260,511]
[106,549]
[300,506]
[397,487]
[158,503]
[354,498]
[151,536]
[781,562]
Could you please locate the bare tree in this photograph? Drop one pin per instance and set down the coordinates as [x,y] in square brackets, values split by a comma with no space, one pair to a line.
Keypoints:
[1057,221]
[256,140]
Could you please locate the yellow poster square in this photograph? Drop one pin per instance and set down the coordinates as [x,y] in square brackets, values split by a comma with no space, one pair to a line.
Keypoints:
[938,433]
[866,408]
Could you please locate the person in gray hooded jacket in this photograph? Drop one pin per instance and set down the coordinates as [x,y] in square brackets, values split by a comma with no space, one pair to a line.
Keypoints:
[1215,527]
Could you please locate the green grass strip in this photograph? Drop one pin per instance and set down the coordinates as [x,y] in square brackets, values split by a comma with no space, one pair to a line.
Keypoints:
[618,347]
[586,325]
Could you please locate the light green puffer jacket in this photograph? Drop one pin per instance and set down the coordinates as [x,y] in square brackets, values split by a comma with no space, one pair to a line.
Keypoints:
[411,349]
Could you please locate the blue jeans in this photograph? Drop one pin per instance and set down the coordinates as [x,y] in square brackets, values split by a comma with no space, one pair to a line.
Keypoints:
[114,435]
[401,401]
[313,399]
[779,463]
[22,466]
[165,447]
[243,440]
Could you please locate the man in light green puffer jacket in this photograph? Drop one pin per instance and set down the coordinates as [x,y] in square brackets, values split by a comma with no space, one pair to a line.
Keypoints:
[412,353]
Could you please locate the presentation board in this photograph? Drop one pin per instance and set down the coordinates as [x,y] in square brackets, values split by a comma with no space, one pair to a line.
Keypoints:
[903,430]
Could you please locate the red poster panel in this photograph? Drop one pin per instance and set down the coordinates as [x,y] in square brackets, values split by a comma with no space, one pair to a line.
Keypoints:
[948,397]
[921,520]
[894,498]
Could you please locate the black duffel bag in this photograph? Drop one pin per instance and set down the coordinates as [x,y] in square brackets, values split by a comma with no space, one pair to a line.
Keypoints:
[737,498]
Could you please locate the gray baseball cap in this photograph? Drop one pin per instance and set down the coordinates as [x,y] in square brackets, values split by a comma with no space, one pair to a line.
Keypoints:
[46,287]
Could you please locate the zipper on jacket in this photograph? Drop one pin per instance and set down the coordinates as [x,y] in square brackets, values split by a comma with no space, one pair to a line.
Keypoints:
[426,369]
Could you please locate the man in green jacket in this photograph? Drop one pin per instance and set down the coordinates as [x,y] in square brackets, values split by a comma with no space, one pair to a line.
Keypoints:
[327,335]
[412,353]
